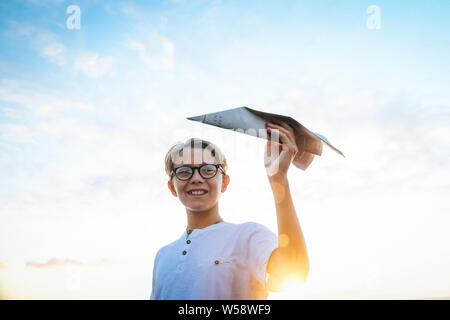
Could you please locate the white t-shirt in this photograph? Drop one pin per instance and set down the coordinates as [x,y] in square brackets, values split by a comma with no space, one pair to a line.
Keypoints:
[222,261]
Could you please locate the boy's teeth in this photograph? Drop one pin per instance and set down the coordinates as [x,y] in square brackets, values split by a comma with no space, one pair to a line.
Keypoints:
[197,192]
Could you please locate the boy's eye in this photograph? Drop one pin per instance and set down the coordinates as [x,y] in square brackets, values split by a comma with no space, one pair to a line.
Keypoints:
[208,170]
[183,171]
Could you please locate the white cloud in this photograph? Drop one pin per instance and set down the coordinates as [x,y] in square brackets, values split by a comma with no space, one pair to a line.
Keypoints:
[39,101]
[129,8]
[93,65]
[103,195]
[21,29]
[17,133]
[46,43]
[76,128]
[157,52]
[56,262]
[45,2]
[54,51]
[49,47]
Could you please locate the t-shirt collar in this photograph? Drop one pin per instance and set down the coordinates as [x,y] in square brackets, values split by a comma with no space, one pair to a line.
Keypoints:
[189,232]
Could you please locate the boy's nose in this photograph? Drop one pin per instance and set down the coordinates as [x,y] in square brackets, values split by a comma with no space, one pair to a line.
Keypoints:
[196,175]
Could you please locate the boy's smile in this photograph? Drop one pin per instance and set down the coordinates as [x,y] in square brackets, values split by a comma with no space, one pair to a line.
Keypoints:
[197,192]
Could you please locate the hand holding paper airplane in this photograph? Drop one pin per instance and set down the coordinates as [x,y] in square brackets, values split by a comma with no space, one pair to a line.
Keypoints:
[253,122]
[278,157]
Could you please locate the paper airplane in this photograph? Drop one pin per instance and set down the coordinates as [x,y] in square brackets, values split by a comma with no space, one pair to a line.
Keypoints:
[253,122]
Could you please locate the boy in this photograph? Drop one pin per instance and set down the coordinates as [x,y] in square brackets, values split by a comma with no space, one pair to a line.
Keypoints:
[214,259]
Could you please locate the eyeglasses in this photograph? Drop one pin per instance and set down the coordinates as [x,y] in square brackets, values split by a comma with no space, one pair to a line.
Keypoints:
[206,171]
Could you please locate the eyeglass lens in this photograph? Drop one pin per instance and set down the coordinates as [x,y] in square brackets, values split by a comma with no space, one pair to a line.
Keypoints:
[206,171]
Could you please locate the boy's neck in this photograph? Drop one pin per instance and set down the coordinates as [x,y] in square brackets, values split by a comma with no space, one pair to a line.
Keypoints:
[200,220]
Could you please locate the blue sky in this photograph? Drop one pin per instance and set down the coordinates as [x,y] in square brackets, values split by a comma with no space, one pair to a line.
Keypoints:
[87,115]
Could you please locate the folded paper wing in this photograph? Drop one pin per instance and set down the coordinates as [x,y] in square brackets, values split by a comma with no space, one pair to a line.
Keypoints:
[253,122]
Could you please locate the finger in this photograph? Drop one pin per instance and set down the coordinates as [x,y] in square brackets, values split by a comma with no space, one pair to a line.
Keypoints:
[284,138]
[274,136]
[290,135]
[268,148]
[272,146]
[287,144]
[284,125]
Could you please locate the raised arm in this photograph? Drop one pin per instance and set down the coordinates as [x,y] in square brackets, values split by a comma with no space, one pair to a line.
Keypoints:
[290,259]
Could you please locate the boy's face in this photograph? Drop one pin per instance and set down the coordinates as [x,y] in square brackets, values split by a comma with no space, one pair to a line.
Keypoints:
[214,187]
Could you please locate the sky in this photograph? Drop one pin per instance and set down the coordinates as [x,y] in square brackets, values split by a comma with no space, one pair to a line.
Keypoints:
[88,111]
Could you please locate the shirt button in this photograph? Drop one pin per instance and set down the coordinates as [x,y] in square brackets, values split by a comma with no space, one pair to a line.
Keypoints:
[189,231]
[184,252]
[189,241]
[216,262]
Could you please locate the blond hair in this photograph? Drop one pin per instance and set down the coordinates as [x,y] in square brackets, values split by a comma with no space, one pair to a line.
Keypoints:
[178,148]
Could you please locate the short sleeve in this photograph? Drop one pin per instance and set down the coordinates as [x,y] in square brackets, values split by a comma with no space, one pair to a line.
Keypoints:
[261,243]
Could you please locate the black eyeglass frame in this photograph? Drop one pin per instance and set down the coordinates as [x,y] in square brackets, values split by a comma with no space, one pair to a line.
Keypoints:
[217,166]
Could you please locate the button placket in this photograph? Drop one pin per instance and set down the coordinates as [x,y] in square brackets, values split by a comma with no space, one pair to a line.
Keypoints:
[188,241]
[184,254]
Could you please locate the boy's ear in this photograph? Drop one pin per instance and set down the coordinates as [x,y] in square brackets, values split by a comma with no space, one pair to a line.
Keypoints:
[225,182]
[172,188]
